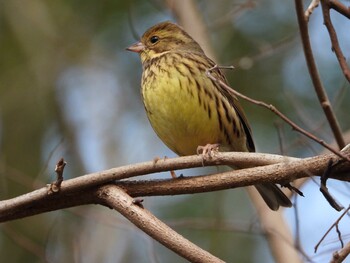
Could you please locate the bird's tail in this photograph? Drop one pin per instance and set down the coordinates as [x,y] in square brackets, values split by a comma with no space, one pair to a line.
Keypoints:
[273,196]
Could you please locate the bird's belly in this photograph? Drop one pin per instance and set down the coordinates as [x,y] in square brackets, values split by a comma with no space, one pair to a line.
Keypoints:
[179,118]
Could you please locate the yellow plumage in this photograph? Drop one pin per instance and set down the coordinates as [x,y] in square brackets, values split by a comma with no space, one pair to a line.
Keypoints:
[179,110]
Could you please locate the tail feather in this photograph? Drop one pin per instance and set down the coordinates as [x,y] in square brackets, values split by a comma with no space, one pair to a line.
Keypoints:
[273,196]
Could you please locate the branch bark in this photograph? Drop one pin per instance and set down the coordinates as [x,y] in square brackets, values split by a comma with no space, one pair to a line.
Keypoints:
[77,191]
[340,255]
[114,197]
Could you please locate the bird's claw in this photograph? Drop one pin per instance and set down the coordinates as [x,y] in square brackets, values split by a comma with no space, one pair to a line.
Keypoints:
[208,150]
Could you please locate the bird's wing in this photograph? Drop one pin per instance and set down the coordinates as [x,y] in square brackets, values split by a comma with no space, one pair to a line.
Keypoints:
[218,74]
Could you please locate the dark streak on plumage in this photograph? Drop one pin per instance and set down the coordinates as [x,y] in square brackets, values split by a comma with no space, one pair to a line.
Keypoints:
[227,136]
[209,111]
[227,113]
[178,68]
[199,98]
[208,93]
[189,68]
[217,104]
[180,83]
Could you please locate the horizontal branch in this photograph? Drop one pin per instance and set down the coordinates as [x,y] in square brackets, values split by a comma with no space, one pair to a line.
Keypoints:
[166,164]
[77,191]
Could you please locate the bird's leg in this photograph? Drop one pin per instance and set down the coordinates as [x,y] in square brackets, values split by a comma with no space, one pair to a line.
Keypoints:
[172,173]
[208,150]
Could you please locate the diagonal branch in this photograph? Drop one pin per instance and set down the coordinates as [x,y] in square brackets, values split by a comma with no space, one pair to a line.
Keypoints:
[276,111]
[114,197]
[311,64]
[340,8]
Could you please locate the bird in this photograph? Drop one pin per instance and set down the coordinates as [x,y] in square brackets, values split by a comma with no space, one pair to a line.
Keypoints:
[186,108]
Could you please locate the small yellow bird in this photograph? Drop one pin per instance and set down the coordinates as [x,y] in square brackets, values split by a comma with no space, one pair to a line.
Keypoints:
[185,107]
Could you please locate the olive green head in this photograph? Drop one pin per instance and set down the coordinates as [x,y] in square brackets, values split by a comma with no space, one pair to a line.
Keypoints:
[164,37]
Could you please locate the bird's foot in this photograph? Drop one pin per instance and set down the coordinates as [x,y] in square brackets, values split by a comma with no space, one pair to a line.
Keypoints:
[208,150]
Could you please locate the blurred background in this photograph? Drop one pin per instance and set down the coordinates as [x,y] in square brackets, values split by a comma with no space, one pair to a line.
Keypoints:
[69,89]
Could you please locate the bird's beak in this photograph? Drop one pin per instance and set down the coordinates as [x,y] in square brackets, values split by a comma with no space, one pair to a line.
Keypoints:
[137,47]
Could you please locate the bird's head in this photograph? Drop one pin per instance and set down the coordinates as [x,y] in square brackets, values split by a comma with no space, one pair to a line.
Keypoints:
[164,37]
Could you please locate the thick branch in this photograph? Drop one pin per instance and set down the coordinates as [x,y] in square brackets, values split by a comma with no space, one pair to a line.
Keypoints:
[114,197]
[311,64]
[95,179]
[77,191]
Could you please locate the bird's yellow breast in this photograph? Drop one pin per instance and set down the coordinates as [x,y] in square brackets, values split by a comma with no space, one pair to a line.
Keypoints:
[181,110]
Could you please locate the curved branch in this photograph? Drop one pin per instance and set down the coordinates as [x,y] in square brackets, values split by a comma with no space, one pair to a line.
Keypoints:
[320,91]
[114,197]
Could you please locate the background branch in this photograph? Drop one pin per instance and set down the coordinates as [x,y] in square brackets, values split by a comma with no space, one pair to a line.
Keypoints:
[310,61]
[334,38]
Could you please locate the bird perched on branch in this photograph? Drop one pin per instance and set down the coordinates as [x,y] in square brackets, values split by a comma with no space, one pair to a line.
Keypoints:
[185,107]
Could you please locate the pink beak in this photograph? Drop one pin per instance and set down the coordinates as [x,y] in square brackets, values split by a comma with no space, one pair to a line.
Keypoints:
[137,47]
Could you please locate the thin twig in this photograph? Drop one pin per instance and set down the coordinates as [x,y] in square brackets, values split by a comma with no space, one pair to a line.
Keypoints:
[334,39]
[311,64]
[324,189]
[56,186]
[277,112]
[335,224]
[311,8]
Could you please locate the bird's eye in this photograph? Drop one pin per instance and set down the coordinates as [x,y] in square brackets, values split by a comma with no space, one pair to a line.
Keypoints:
[154,39]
